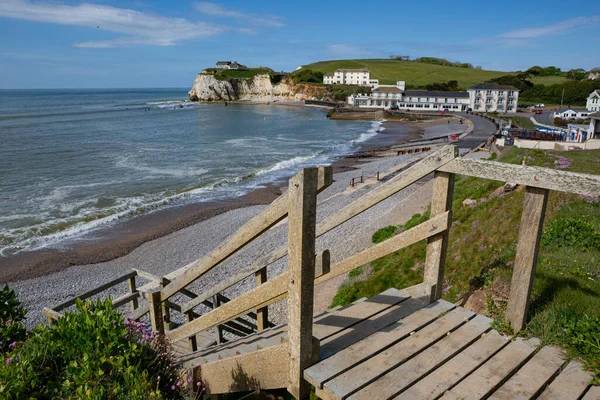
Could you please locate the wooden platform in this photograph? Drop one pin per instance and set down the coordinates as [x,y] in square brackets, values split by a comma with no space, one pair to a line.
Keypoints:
[393,346]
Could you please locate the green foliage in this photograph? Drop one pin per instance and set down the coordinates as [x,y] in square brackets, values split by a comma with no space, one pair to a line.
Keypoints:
[583,334]
[447,86]
[341,92]
[307,75]
[443,62]
[497,311]
[575,92]
[12,313]
[521,122]
[570,232]
[416,219]
[356,272]
[330,113]
[90,354]
[384,233]
[577,74]
[547,71]
[519,81]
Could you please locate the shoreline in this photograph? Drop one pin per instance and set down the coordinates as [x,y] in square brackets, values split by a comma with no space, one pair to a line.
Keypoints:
[119,239]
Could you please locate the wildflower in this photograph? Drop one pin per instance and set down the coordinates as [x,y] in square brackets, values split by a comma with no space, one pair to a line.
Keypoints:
[589,198]
[198,383]
[173,387]
[12,345]
[189,380]
[8,360]
[179,383]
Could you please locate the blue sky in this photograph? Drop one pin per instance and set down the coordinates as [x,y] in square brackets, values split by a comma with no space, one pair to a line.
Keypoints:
[98,44]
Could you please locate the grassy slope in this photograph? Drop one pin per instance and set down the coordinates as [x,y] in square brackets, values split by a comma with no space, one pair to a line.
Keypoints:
[482,250]
[389,71]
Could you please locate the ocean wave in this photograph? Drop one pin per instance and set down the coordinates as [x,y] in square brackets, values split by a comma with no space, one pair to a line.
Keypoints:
[126,162]
[376,127]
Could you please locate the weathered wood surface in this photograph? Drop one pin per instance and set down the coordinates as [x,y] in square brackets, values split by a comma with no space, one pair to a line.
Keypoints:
[532,377]
[302,219]
[407,373]
[455,369]
[262,314]
[500,367]
[262,369]
[132,289]
[354,354]
[592,394]
[92,292]
[51,314]
[545,178]
[377,365]
[155,308]
[126,298]
[530,234]
[422,231]
[570,384]
[323,263]
[435,259]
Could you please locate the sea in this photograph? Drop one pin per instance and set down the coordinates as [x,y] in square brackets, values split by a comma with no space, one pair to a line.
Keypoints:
[74,161]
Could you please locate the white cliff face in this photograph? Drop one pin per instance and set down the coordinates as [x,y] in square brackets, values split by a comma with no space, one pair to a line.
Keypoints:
[259,88]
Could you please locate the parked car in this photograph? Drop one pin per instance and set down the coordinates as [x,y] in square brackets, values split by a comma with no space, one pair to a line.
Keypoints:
[538,111]
[394,107]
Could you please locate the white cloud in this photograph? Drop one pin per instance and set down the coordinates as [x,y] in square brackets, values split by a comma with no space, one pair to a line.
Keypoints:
[138,27]
[215,10]
[348,49]
[549,30]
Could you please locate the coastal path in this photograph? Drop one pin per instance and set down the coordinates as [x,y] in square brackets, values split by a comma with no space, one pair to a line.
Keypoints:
[483,129]
[405,343]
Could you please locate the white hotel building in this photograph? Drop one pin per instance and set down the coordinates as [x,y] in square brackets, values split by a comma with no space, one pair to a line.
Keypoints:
[359,77]
[490,97]
[593,101]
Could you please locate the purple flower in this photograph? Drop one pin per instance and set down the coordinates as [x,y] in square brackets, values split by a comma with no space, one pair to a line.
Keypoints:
[8,360]
[179,383]
[173,387]
[198,383]
[474,225]
[12,345]
[189,380]
[588,198]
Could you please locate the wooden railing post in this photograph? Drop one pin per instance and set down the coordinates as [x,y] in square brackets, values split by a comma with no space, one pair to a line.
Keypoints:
[155,308]
[189,317]
[219,329]
[262,314]
[301,264]
[323,263]
[437,245]
[165,308]
[530,233]
[133,289]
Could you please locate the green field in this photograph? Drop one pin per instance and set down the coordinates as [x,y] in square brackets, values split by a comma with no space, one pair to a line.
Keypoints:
[415,74]
[547,80]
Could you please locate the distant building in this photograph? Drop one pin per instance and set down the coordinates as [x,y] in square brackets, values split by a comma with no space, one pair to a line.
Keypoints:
[229,65]
[387,96]
[490,97]
[594,129]
[360,77]
[593,101]
[593,75]
[571,113]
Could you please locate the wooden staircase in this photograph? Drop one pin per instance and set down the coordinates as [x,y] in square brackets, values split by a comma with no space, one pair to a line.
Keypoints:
[399,344]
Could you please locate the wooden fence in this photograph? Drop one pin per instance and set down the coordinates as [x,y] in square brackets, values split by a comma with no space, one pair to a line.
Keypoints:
[307,269]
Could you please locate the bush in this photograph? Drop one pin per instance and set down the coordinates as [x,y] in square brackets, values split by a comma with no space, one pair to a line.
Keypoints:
[383,234]
[416,219]
[91,354]
[12,313]
[582,334]
[571,232]
[308,75]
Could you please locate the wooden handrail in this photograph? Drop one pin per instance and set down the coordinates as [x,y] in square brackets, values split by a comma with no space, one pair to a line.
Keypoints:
[393,186]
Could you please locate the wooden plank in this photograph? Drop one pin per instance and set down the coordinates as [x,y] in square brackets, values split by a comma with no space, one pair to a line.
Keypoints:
[530,233]
[532,377]
[155,308]
[341,340]
[139,313]
[378,365]
[323,263]
[94,291]
[407,373]
[132,289]
[422,231]
[570,384]
[545,178]
[481,382]
[51,314]
[345,318]
[393,186]
[437,382]
[437,246]
[592,394]
[302,219]
[263,295]
[354,354]
[262,314]
[263,369]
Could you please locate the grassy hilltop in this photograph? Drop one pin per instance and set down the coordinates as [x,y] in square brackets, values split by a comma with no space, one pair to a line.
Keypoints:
[415,73]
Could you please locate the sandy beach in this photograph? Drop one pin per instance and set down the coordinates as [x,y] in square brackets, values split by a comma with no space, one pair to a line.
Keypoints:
[181,235]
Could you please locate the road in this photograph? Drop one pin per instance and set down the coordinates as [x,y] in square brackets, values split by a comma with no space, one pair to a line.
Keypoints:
[545,117]
[482,131]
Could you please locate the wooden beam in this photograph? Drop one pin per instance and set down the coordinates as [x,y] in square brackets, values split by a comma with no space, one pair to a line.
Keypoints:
[323,263]
[422,231]
[545,178]
[262,369]
[437,246]
[530,233]
[262,314]
[265,294]
[302,220]
[51,314]
[132,289]
[155,307]
[119,301]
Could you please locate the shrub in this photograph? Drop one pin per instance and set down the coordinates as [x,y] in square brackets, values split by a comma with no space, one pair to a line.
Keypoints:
[384,233]
[415,220]
[12,313]
[582,334]
[91,354]
[571,232]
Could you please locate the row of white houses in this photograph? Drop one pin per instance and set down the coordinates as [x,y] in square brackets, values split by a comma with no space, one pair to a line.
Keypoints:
[483,97]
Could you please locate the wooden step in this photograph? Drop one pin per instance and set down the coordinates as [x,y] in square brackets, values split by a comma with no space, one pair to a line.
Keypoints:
[570,384]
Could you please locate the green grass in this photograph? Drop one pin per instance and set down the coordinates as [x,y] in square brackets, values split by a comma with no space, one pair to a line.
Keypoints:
[226,74]
[565,301]
[389,71]
[522,122]
[547,80]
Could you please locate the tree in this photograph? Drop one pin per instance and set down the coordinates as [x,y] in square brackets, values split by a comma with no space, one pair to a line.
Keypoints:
[577,74]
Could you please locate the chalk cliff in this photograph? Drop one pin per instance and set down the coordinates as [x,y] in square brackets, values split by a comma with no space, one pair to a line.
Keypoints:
[258,88]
